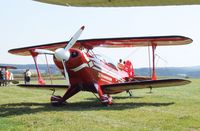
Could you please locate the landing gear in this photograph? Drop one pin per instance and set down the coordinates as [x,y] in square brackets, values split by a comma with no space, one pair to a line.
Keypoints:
[104,98]
[57,100]
[150,91]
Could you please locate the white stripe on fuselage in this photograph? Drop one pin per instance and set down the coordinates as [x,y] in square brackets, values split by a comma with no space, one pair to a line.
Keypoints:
[80,67]
[107,70]
[98,65]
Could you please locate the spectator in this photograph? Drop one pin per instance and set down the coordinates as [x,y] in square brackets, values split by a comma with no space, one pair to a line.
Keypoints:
[27,76]
[7,76]
[1,77]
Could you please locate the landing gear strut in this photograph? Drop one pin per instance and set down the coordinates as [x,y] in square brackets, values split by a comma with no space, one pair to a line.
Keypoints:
[104,98]
[150,91]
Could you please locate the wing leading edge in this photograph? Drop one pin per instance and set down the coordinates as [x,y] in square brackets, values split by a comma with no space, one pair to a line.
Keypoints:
[116,88]
[109,43]
[42,86]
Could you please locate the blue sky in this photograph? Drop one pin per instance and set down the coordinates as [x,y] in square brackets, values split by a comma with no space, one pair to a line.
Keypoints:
[26,23]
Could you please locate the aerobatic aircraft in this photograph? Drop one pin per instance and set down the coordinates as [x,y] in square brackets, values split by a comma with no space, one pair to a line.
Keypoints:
[85,71]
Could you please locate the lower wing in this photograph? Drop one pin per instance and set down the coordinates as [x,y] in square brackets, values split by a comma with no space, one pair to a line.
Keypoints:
[42,86]
[120,87]
[12,81]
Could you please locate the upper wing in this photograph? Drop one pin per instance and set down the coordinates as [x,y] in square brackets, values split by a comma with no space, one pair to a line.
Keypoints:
[116,88]
[109,43]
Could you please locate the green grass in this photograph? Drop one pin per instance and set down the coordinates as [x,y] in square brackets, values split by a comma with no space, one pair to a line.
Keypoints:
[174,108]
[117,3]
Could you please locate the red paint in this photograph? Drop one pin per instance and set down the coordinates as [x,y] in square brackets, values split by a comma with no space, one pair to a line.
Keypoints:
[128,67]
[87,73]
[154,69]
[34,55]
[109,42]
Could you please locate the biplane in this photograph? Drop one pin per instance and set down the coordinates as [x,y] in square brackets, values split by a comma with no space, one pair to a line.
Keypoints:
[6,77]
[85,71]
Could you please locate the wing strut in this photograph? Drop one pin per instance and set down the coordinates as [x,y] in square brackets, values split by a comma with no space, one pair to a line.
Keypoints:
[34,55]
[153,77]
[49,70]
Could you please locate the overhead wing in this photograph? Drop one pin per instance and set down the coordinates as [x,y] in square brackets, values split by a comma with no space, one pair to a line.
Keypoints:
[42,86]
[116,88]
[117,3]
[109,43]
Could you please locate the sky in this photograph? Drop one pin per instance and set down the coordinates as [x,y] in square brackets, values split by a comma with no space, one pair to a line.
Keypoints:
[27,23]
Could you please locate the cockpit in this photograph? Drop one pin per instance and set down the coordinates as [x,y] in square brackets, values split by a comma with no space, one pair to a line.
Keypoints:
[102,58]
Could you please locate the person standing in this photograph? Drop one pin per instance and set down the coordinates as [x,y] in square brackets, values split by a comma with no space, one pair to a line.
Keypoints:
[27,76]
[1,77]
[7,77]
[7,74]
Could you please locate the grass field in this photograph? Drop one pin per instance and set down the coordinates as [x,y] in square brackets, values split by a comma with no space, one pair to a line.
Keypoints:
[174,108]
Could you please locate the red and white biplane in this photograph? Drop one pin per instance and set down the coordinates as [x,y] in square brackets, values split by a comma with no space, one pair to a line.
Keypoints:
[84,71]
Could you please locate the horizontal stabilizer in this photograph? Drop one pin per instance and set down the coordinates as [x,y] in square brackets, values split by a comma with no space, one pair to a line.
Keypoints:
[116,88]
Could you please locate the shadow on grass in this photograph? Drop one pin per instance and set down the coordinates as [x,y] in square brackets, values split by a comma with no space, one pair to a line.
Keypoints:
[118,97]
[14,109]
[127,97]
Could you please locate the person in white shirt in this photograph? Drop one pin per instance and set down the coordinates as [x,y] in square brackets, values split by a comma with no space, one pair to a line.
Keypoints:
[27,76]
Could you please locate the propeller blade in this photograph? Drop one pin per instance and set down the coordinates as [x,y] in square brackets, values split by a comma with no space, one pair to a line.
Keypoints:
[43,51]
[66,74]
[74,38]
[63,54]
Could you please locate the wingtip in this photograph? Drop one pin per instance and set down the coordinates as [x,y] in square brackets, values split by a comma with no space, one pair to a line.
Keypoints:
[187,81]
[182,81]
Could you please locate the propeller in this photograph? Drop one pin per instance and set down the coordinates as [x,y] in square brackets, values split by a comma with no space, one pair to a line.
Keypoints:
[63,54]
[43,51]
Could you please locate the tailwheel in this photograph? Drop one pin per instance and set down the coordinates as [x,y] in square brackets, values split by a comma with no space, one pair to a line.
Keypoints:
[57,100]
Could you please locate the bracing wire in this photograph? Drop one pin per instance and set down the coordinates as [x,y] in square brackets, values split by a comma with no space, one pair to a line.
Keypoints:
[132,52]
[160,58]
[149,60]
[49,70]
